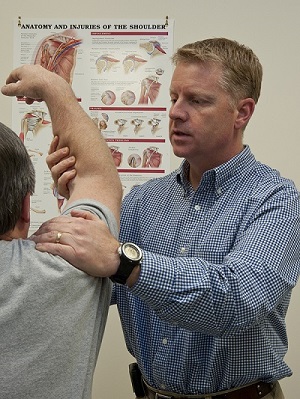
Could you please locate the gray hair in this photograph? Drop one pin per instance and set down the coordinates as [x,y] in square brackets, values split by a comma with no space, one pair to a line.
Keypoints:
[17,178]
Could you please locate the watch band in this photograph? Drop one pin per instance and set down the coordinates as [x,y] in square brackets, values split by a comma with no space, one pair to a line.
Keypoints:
[130,257]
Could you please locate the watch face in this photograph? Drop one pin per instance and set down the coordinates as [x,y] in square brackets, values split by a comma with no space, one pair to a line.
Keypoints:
[131,251]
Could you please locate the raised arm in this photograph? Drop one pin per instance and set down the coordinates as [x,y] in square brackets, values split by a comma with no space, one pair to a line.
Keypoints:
[96,175]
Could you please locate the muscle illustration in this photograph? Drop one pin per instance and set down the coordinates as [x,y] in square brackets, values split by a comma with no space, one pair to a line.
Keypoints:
[116,154]
[149,90]
[57,53]
[105,62]
[31,122]
[151,158]
[100,123]
[132,62]
[153,47]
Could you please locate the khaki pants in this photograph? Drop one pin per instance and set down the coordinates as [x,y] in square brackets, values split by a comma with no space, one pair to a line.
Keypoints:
[276,393]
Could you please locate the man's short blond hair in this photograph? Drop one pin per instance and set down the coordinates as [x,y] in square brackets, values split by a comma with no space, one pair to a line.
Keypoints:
[242,71]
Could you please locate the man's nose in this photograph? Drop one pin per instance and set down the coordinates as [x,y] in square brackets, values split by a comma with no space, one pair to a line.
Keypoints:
[177,111]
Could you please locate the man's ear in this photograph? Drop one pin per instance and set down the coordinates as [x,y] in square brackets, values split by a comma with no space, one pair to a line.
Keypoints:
[245,109]
[25,215]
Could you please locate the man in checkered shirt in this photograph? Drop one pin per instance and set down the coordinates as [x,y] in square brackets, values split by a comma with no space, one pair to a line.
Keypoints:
[204,311]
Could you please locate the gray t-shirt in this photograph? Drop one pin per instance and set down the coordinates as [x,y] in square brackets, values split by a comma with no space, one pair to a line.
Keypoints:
[52,319]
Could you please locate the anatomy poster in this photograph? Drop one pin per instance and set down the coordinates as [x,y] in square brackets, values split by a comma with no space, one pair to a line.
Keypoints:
[120,71]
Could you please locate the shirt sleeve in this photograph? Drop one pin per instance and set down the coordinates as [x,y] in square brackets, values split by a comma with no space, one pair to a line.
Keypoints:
[98,209]
[254,278]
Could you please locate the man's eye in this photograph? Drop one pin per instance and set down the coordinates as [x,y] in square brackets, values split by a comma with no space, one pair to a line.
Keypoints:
[199,101]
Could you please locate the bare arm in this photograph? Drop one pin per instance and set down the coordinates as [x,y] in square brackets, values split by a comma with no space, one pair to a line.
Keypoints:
[96,175]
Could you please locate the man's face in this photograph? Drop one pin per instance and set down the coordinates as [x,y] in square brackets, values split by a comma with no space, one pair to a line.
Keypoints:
[202,119]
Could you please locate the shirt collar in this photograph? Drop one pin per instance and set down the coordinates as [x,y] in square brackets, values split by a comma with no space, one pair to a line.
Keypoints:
[222,175]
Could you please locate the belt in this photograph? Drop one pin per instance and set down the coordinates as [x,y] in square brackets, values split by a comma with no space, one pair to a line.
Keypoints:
[253,391]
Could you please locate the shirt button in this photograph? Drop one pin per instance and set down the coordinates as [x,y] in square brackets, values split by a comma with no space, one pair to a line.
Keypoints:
[197,207]
[183,250]
[162,386]
[165,341]
[219,191]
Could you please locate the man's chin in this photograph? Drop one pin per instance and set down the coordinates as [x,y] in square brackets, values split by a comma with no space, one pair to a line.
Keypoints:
[180,153]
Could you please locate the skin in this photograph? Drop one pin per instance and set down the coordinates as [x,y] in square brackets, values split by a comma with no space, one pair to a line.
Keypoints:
[205,128]
[22,226]
[96,176]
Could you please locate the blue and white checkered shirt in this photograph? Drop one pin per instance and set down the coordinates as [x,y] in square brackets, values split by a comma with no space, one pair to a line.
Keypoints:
[208,311]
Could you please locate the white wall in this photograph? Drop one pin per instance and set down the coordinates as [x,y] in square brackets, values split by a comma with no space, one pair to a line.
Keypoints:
[271,28]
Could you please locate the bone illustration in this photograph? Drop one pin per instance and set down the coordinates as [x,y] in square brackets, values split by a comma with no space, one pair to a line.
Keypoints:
[121,124]
[154,122]
[37,210]
[57,53]
[105,116]
[137,124]
[60,199]
[128,97]
[151,158]
[132,62]
[116,154]
[32,122]
[159,71]
[34,152]
[105,62]
[134,160]
[150,88]
[108,97]
[153,47]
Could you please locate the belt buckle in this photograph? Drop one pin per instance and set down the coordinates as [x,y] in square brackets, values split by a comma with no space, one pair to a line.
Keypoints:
[160,396]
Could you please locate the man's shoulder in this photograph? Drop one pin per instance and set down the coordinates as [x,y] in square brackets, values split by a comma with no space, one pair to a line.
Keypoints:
[157,183]
[270,178]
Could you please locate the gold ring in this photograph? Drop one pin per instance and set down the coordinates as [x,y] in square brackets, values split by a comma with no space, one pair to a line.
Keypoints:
[58,237]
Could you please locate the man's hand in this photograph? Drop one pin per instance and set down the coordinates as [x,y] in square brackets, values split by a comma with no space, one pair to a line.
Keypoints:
[85,242]
[62,167]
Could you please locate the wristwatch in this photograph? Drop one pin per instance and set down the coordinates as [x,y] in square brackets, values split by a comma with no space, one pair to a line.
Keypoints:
[130,256]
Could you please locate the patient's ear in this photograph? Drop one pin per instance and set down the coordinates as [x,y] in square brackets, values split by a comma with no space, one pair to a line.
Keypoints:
[25,215]
[23,223]
[245,110]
